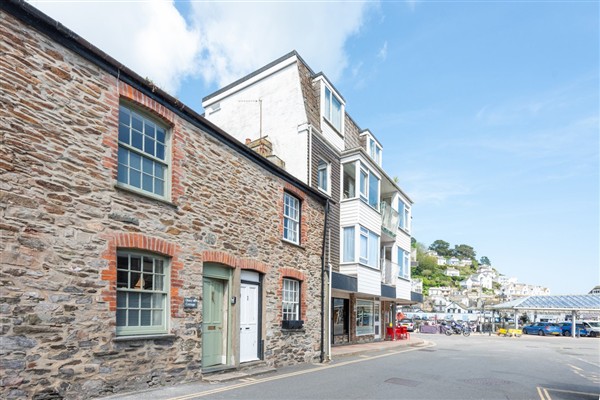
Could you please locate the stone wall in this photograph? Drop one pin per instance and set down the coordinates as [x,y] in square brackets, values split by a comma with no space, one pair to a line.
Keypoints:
[62,218]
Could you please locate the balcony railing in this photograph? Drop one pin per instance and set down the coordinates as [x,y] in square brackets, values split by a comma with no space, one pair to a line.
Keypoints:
[389,272]
[389,219]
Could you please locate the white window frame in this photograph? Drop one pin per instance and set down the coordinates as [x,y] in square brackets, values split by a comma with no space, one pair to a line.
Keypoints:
[375,151]
[352,243]
[404,263]
[404,216]
[150,158]
[324,170]
[290,302]
[328,106]
[363,176]
[372,248]
[127,290]
[291,218]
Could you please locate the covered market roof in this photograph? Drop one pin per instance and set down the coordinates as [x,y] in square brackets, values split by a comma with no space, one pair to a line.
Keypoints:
[583,302]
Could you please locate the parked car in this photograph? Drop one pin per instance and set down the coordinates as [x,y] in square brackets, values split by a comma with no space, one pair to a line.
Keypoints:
[593,328]
[408,323]
[542,329]
[566,329]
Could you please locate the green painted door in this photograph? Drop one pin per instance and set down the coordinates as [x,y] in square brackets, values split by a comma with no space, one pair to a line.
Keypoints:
[213,324]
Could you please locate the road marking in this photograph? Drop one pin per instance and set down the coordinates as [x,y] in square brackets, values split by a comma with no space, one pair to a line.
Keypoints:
[543,393]
[297,373]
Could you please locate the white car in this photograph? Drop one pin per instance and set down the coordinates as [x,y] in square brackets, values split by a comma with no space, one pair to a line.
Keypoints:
[410,326]
[593,328]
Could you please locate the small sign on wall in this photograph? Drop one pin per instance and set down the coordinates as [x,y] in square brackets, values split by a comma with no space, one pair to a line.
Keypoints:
[190,302]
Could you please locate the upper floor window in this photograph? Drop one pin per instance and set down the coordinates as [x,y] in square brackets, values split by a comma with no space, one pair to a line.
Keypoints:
[291,300]
[323,176]
[142,293]
[368,184]
[333,109]
[404,263]
[369,248]
[291,218]
[375,151]
[403,215]
[142,155]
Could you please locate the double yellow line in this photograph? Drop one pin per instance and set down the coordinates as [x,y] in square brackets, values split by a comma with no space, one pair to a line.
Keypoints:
[319,367]
[544,395]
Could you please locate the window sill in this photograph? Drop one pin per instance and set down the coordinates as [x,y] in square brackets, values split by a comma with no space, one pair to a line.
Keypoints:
[293,244]
[301,330]
[144,337]
[128,189]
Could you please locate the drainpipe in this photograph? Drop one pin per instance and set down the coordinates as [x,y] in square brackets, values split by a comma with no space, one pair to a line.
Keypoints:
[323,282]
[309,155]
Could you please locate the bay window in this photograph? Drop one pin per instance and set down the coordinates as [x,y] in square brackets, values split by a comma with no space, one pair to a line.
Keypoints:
[368,183]
[368,248]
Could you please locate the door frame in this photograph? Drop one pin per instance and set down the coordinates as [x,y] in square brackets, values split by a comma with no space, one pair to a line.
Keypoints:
[259,283]
[224,273]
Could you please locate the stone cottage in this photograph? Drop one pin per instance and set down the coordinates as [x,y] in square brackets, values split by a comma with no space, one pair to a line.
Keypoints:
[141,245]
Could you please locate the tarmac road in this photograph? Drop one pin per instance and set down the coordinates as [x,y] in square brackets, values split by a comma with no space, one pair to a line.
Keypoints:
[455,367]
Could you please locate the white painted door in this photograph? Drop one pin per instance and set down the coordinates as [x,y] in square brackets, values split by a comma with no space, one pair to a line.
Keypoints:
[248,322]
[377,320]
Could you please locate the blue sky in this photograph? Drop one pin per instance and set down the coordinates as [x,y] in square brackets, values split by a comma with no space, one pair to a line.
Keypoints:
[488,110]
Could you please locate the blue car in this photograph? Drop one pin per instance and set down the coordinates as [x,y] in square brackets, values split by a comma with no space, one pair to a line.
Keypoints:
[542,329]
[566,329]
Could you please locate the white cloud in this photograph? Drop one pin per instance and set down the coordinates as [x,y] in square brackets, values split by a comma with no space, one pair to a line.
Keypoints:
[150,37]
[222,41]
[240,37]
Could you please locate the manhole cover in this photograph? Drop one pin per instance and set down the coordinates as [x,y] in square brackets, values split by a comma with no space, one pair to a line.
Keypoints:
[403,382]
[486,381]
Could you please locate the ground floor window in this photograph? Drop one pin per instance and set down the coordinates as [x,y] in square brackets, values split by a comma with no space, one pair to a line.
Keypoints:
[142,293]
[291,300]
[340,316]
[365,324]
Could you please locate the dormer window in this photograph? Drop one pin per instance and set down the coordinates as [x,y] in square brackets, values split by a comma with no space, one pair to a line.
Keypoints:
[375,151]
[333,110]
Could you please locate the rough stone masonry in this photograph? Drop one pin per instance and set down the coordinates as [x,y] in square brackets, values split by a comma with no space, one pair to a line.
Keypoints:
[63,219]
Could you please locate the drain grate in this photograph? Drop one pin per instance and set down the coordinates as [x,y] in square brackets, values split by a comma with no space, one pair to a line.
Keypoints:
[403,382]
[487,381]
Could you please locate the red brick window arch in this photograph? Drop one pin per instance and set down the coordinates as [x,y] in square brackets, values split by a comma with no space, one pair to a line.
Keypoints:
[293,298]
[143,276]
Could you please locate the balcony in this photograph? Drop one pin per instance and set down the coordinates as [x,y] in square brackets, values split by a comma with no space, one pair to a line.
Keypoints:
[389,272]
[389,219]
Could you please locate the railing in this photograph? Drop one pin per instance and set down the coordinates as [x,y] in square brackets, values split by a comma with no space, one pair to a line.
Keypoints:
[389,272]
[389,219]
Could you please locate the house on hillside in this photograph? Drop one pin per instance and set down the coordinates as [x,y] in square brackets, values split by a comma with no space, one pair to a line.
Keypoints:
[451,272]
[304,117]
[132,261]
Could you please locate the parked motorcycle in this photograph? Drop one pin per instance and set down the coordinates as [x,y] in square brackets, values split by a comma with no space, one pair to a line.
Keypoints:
[456,329]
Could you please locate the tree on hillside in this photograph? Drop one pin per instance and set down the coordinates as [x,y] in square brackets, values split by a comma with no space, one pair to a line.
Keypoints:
[484,261]
[464,251]
[441,247]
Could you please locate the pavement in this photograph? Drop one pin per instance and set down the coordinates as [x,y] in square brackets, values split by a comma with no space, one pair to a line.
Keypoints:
[336,353]
[256,369]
